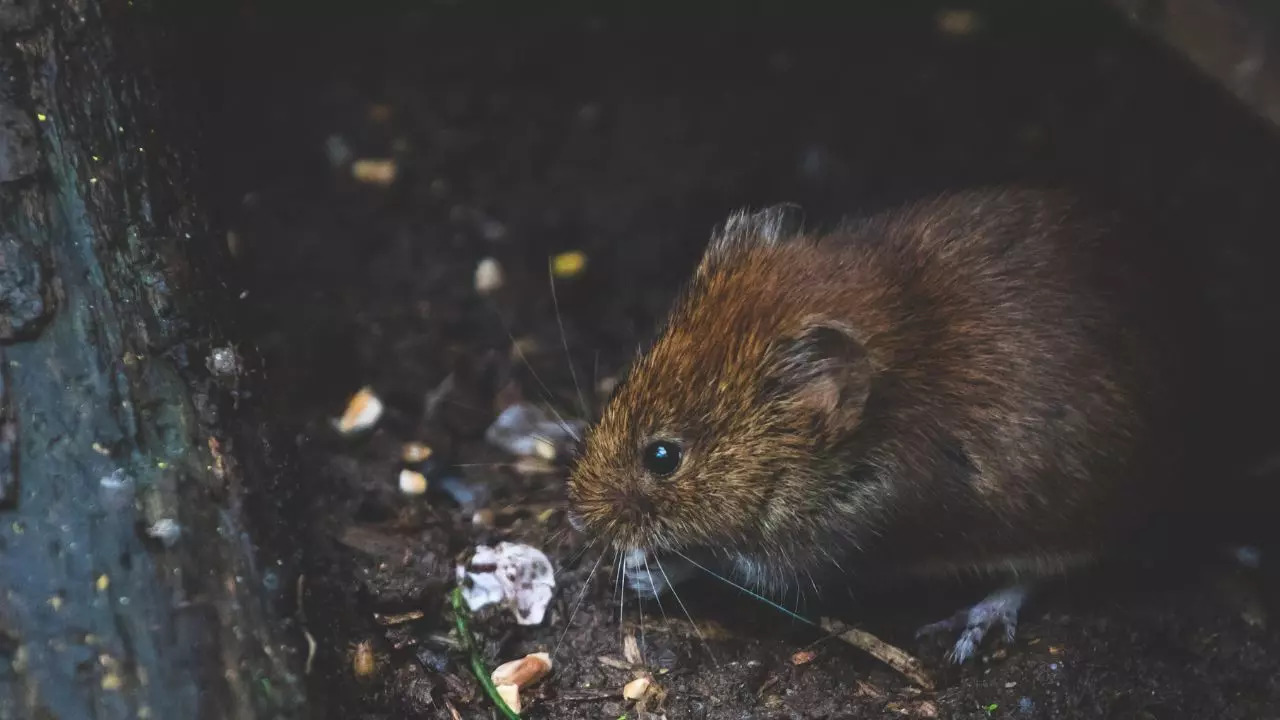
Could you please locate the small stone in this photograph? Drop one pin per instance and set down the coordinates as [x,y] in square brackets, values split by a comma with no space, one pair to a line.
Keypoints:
[224,362]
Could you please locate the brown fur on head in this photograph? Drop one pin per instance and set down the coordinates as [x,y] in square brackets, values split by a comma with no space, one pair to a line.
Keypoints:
[754,384]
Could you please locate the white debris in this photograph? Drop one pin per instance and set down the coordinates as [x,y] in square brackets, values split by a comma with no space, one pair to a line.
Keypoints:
[117,490]
[337,150]
[631,650]
[488,276]
[528,431]
[166,530]
[514,575]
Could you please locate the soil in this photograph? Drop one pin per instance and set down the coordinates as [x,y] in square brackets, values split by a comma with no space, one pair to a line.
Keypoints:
[627,138]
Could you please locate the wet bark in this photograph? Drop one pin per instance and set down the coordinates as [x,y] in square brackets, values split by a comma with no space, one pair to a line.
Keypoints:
[128,586]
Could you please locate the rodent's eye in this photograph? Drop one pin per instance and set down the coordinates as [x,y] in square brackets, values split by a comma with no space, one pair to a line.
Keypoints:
[662,457]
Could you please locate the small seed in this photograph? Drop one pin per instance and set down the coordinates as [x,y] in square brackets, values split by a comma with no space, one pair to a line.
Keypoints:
[414,452]
[804,657]
[363,661]
[523,672]
[363,411]
[510,694]
[374,171]
[636,689]
[568,264]
[412,482]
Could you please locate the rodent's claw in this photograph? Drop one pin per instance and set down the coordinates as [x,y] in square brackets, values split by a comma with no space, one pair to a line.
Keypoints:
[999,608]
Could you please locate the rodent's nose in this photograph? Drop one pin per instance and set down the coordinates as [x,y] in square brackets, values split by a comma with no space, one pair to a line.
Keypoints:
[616,510]
[635,508]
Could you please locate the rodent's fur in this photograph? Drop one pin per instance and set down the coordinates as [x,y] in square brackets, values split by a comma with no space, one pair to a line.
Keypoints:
[992,380]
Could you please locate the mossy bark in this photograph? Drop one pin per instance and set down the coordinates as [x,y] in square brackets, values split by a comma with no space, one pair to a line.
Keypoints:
[128,586]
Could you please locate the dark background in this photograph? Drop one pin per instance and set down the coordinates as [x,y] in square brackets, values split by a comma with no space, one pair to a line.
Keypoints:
[627,133]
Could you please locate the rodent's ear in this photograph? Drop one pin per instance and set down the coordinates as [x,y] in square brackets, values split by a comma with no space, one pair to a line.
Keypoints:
[745,229]
[824,368]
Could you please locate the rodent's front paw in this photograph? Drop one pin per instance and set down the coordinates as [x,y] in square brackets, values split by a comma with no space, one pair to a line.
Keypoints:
[999,608]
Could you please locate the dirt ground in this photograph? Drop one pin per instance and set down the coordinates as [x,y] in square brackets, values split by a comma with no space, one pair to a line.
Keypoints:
[627,138]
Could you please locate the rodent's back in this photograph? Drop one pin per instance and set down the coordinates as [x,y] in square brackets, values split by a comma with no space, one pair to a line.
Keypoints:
[1042,359]
[978,381]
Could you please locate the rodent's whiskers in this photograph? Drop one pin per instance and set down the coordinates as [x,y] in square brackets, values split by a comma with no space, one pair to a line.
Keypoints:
[640,617]
[654,586]
[781,608]
[564,340]
[577,604]
[581,551]
[546,391]
[620,589]
[696,629]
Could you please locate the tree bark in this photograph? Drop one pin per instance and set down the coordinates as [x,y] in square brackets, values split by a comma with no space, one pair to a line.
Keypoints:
[128,586]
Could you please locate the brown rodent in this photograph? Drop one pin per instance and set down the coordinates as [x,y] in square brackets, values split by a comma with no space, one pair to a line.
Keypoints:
[999,381]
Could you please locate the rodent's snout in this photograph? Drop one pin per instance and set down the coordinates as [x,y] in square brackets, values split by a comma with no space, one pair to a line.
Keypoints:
[616,511]
[625,515]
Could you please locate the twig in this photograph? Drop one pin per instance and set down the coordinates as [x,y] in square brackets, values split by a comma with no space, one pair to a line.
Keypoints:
[890,655]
